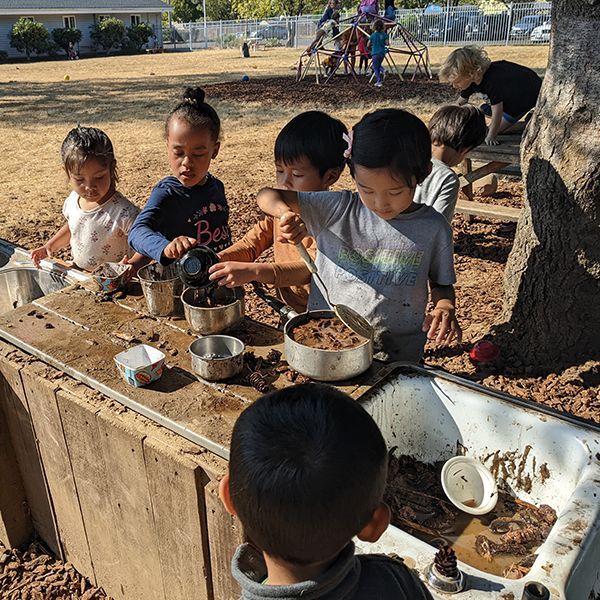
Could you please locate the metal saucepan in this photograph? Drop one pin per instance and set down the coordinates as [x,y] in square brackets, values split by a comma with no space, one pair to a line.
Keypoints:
[207,320]
[316,363]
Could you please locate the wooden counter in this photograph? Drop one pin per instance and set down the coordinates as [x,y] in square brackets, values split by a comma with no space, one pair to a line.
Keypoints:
[121,481]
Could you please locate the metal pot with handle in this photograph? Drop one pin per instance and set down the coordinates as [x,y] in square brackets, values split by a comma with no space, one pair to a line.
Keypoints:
[317,363]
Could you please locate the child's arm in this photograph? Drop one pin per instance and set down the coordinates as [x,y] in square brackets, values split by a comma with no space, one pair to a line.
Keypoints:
[497,112]
[57,242]
[441,324]
[283,204]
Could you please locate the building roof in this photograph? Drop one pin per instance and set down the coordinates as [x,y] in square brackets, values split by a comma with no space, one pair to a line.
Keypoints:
[81,6]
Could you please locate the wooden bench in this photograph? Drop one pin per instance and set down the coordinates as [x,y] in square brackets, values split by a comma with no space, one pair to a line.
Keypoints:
[496,159]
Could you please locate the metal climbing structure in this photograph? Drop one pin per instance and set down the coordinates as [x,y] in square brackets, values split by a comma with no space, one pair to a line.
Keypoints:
[327,54]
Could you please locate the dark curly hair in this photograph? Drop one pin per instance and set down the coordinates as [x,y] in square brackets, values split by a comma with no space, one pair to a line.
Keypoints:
[195,111]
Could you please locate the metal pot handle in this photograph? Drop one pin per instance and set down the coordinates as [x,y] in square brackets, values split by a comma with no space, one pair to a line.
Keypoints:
[287,312]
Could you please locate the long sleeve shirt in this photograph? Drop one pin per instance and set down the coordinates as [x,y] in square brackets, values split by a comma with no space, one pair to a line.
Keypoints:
[173,209]
[292,276]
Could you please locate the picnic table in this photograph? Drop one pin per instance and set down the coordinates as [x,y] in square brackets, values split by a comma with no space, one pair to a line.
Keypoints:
[496,159]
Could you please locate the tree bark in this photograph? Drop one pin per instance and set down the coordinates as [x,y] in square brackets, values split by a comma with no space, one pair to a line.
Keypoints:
[551,314]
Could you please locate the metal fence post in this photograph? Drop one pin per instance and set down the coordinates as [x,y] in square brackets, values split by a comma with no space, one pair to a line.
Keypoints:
[446,22]
[221,33]
[509,25]
[190,28]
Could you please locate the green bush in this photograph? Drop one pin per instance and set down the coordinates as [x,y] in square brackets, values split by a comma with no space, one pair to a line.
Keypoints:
[29,36]
[108,33]
[63,36]
[273,42]
[138,35]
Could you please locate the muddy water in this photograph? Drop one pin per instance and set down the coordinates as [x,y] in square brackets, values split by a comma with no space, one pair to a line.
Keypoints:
[420,507]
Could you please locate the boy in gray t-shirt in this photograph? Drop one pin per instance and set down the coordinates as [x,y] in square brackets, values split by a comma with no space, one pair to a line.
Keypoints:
[377,251]
[455,131]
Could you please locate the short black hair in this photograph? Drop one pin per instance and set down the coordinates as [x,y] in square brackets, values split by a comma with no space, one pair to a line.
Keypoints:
[194,110]
[307,469]
[313,135]
[394,139]
[458,127]
[85,143]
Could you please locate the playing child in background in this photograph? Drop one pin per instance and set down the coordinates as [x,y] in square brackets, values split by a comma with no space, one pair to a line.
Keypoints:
[329,27]
[309,157]
[307,473]
[512,89]
[377,250]
[390,10]
[98,217]
[455,131]
[189,207]
[369,8]
[365,57]
[378,42]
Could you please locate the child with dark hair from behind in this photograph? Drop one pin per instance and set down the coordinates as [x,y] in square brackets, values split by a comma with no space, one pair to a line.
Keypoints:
[379,252]
[455,131]
[309,157]
[378,42]
[189,207]
[307,473]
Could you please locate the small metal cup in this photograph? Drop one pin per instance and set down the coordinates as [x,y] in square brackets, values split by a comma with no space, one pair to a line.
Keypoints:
[217,357]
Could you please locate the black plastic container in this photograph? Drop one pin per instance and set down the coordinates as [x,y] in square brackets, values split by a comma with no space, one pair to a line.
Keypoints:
[194,266]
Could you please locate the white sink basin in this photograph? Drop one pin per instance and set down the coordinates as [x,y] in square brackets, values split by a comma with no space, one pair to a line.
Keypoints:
[425,413]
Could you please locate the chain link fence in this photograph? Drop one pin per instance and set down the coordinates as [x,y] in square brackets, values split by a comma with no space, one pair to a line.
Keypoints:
[517,24]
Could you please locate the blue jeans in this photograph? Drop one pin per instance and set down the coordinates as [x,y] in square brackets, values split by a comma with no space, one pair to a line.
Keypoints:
[377,60]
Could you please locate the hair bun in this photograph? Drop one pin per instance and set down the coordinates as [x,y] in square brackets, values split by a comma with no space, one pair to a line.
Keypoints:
[194,96]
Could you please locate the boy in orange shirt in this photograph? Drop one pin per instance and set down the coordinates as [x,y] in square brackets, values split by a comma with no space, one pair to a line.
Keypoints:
[309,157]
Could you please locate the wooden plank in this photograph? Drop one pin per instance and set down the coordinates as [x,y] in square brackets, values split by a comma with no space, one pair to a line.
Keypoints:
[488,211]
[131,509]
[176,484]
[16,528]
[82,436]
[480,172]
[508,148]
[225,534]
[12,395]
[40,392]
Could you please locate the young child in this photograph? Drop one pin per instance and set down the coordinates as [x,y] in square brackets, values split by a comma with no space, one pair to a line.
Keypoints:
[377,249]
[512,89]
[390,10]
[378,42]
[307,473]
[331,26]
[455,131]
[363,65]
[98,218]
[309,157]
[189,207]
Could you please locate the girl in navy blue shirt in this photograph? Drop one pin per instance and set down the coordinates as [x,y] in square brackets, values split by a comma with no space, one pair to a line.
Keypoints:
[188,208]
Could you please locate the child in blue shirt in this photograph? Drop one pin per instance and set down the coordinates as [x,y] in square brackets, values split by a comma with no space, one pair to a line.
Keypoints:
[378,42]
[189,207]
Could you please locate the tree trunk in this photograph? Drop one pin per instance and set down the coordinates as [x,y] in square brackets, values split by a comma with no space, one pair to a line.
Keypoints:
[551,316]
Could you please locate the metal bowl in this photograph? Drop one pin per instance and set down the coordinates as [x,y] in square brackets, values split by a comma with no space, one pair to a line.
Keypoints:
[217,357]
[209,320]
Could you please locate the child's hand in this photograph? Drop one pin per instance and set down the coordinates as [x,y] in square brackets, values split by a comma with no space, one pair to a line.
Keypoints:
[179,246]
[441,324]
[292,227]
[232,274]
[491,140]
[39,254]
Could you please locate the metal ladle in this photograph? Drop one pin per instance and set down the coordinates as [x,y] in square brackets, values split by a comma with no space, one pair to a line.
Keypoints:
[347,315]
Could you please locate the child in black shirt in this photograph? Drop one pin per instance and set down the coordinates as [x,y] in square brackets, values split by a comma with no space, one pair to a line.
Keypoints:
[512,89]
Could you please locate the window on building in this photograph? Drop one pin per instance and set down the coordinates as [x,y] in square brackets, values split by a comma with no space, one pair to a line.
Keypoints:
[28,18]
[69,22]
[136,20]
[102,17]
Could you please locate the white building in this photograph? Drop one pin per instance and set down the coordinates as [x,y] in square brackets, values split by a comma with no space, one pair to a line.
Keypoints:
[80,14]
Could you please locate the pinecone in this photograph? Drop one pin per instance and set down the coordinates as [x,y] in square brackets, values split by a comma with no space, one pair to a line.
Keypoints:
[273,357]
[257,381]
[445,562]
